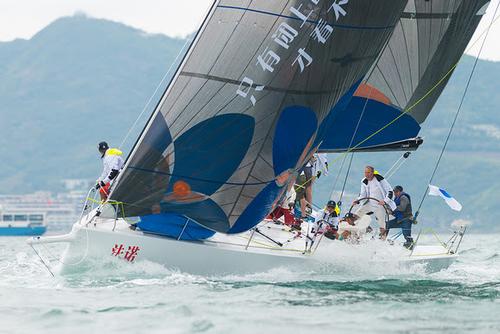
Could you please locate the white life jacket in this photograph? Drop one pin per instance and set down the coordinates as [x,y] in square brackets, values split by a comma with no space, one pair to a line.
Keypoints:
[330,218]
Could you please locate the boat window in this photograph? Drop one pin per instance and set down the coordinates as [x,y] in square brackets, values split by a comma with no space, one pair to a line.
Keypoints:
[19,218]
[7,218]
[36,218]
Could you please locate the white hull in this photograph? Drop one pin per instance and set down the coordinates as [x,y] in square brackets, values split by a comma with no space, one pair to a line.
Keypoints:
[106,239]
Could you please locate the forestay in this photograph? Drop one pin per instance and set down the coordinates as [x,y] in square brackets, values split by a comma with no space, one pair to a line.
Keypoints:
[409,77]
[242,113]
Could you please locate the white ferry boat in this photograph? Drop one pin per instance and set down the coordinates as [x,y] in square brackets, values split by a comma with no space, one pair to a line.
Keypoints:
[20,223]
[55,211]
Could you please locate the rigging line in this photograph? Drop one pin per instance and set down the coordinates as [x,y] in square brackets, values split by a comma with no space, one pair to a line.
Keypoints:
[393,167]
[456,114]
[338,175]
[209,78]
[157,108]
[406,111]
[371,71]
[43,262]
[485,31]
[399,163]
[346,177]
[354,134]
[160,84]
[356,131]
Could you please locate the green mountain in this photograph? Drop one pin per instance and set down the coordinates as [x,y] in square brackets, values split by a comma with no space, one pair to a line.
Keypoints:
[75,83]
[82,80]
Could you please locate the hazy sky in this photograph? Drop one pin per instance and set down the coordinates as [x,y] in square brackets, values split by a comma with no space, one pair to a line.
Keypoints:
[24,18]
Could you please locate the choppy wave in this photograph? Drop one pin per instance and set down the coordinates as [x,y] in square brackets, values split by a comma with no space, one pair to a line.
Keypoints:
[123,297]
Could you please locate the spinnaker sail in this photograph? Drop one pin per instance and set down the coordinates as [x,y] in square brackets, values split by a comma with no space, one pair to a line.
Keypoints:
[241,115]
[410,75]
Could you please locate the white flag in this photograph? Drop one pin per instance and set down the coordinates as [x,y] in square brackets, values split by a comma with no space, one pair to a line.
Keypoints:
[452,203]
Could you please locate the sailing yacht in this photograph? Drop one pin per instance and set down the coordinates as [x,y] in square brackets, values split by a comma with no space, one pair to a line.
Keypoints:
[264,86]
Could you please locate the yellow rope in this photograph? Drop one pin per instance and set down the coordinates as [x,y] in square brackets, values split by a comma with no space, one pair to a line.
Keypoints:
[117,203]
[303,185]
[430,254]
[430,230]
[437,238]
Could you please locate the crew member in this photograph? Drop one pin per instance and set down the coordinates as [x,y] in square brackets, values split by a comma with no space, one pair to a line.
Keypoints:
[112,164]
[403,215]
[329,217]
[285,209]
[312,170]
[375,194]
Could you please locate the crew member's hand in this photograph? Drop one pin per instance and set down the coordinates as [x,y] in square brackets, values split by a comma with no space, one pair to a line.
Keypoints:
[355,202]
[381,202]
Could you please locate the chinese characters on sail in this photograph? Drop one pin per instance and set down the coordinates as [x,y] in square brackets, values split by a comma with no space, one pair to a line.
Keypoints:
[284,37]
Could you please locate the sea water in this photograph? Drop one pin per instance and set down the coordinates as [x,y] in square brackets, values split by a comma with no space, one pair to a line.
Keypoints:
[119,297]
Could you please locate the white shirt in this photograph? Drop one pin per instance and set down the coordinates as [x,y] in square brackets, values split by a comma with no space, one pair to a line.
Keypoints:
[321,164]
[318,162]
[112,160]
[374,190]
[381,190]
[290,198]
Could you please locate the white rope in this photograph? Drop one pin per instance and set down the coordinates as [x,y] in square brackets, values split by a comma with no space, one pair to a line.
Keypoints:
[146,106]
[83,258]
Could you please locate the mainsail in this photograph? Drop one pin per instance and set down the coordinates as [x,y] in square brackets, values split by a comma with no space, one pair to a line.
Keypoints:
[242,113]
[410,75]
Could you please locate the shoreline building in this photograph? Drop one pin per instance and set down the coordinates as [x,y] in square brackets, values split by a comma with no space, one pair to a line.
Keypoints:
[58,210]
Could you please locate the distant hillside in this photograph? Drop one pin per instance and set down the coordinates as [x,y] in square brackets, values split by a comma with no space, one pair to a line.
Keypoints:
[77,82]
[82,80]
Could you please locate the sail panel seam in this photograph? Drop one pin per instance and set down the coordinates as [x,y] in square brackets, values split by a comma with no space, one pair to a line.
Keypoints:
[341,26]
[199,179]
[269,88]
[439,16]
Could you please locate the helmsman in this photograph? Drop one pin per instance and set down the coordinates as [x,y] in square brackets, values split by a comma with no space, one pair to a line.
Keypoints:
[375,194]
